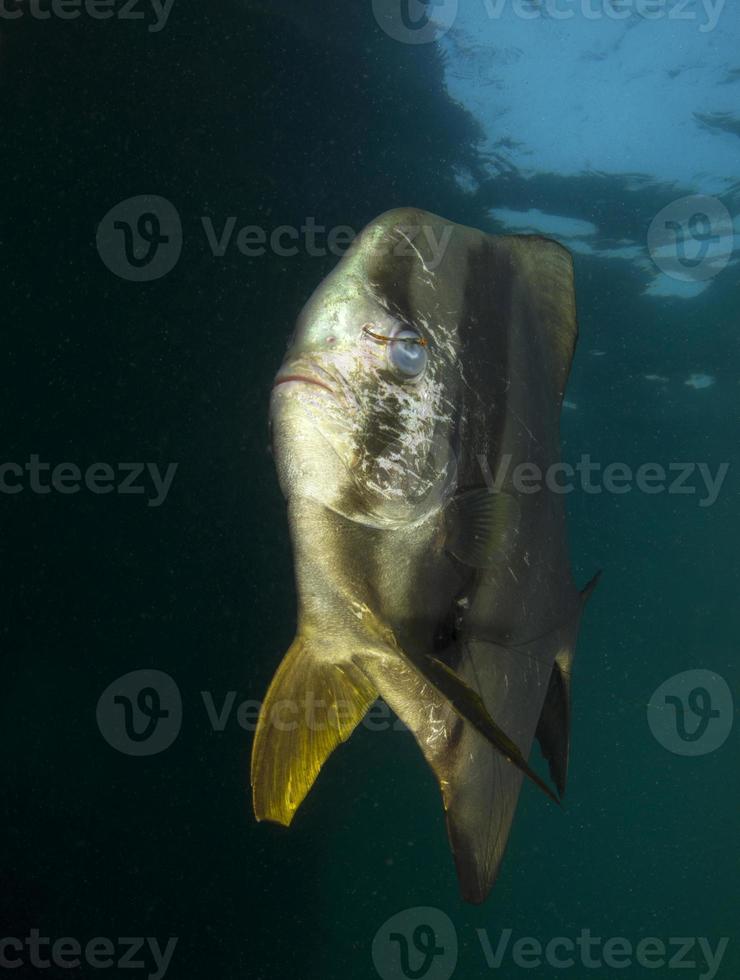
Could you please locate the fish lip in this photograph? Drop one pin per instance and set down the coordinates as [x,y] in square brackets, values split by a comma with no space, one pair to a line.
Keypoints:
[307,374]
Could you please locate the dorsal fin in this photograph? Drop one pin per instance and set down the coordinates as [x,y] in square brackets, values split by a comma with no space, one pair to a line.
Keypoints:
[547,269]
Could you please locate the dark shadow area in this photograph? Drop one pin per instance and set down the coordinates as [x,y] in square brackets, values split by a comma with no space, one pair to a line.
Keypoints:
[230,111]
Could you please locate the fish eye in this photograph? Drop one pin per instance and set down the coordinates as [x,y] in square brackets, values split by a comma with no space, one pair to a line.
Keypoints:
[407,353]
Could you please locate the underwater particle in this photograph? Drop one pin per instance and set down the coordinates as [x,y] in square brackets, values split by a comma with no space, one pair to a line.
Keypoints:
[700,381]
[571,405]
[657,377]
[597,353]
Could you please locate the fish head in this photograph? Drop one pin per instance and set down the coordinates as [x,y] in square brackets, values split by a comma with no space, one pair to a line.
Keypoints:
[363,413]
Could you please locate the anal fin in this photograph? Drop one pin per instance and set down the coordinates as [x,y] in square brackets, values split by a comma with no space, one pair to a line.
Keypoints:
[553,727]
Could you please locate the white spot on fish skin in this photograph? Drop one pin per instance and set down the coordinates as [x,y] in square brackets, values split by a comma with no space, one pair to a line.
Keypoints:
[418,254]
[568,404]
[698,381]
[359,609]
[438,728]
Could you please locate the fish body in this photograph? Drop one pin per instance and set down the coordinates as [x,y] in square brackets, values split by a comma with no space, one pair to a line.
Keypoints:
[420,383]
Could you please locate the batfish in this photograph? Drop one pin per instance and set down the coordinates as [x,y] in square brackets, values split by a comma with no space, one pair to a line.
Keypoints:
[416,409]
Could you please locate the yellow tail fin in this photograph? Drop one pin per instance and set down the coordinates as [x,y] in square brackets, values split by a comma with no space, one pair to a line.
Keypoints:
[312,705]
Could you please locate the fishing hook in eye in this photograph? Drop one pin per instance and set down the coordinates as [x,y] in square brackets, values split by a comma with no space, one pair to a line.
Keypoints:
[421,341]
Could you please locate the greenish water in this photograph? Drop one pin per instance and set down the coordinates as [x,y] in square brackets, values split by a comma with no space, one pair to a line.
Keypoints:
[275,116]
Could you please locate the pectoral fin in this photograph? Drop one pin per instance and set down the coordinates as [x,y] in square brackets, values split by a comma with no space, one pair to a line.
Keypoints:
[482,526]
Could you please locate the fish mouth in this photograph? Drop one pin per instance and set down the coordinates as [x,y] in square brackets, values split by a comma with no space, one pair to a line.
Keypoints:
[305,375]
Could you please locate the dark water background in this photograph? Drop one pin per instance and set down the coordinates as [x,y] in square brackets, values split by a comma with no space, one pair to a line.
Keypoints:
[274,116]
